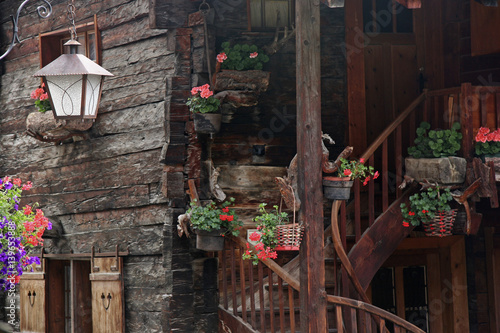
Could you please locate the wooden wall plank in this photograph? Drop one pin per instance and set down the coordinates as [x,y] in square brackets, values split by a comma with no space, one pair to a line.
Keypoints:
[459,287]
[434,293]
[485,29]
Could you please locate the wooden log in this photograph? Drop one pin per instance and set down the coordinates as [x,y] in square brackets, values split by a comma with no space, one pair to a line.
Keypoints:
[252,80]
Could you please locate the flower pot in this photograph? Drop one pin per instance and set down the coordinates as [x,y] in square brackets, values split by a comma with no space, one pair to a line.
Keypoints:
[443,170]
[441,225]
[210,240]
[289,237]
[207,123]
[251,80]
[337,188]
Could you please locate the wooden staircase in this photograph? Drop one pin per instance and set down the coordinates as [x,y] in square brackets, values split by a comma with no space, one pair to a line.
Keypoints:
[265,298]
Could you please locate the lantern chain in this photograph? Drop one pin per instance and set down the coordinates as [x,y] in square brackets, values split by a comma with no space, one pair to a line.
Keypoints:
[71,18]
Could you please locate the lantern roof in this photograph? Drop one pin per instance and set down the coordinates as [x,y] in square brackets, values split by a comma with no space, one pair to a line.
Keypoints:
[72,64]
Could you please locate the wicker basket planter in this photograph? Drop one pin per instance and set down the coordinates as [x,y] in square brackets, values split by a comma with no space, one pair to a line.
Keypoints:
[289,237]
[441,225]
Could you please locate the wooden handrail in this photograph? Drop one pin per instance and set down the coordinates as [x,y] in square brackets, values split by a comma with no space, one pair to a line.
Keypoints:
[373,310]
[337,300]
[385,134]
[271,264]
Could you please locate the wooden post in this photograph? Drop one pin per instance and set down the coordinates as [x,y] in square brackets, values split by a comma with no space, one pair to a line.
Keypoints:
[309,153]
[466,101]
[355,58]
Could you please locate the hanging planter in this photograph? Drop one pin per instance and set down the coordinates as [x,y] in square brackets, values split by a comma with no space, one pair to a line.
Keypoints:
[441,225]
[211,222]
[207,123]
[210,240]
[289,237]
[337,188]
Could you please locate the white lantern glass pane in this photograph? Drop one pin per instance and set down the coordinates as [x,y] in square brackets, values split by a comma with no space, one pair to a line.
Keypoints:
[92,95]
[66,94]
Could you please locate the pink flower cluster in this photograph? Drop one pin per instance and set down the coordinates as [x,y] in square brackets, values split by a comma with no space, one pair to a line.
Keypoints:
[221,57]
[39,93]
[204,91]
[484,135]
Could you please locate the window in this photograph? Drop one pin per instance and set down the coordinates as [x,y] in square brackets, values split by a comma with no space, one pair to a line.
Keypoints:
[411,282]
[386,16]
[51,44]
[269,14]
[73,293]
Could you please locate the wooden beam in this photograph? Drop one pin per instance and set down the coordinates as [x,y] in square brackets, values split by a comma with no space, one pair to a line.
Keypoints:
[309,157]
[411,4]
[355,58]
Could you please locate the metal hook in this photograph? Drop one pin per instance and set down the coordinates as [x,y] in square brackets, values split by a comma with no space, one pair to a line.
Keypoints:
[29,296]
[109,297]
[43,12]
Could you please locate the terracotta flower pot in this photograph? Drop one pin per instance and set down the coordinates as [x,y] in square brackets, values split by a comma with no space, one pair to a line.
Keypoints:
[337,188]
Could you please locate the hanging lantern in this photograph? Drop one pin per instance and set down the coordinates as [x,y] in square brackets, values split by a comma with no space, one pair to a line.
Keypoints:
[74,84]
[73,81]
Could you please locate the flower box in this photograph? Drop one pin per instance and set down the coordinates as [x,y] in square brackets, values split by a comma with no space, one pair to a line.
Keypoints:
[443,170]
[251,80]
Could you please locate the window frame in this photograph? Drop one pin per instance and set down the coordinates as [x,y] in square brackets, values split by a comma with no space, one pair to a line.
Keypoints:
[50,44]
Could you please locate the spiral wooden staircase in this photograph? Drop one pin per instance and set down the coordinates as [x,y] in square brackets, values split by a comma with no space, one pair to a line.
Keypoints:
[265,298]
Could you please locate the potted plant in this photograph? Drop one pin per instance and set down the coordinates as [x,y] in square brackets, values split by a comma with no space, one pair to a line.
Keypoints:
[339,187]
[487,146]
[241,66]
[22,229]
[212,222]
[433,157]
[274,233]
[205,109]
[430,208]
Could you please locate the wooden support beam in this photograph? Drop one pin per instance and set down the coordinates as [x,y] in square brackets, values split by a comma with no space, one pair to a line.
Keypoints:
[411,4]
[356,96]
[309,157]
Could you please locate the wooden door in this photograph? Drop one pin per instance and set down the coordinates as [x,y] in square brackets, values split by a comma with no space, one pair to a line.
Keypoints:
[33,296]
[391,62]
[107,295]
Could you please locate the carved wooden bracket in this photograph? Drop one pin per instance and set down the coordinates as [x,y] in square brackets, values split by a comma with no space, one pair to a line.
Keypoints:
[43,127]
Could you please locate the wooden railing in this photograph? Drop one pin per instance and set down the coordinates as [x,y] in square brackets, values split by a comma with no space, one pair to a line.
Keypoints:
[265,298]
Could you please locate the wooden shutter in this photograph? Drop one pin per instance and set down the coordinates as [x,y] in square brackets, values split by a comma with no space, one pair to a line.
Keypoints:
[33,297]
[107,295]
